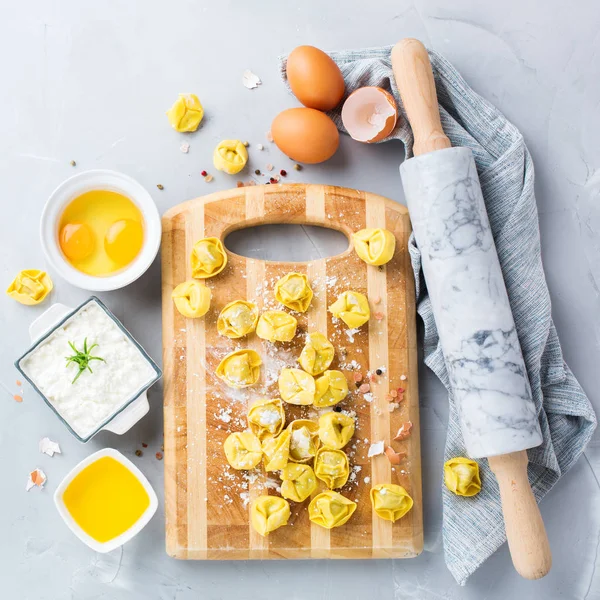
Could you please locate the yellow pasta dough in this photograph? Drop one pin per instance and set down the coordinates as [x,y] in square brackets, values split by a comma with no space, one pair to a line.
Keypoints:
[186,114]
[461,476]
[331,388]
[208,258]
[335,429]
[374,246]
[243,450]
[240,369]
[390,501]
[237,319]
[30,287]
[269,513]
[276,451]
[230,156]
[298,482]
[330,509]
[296,386]
[276,326]
[317,354]
[294,291]
[331,466]
[266,417]
[304,441]
[352,308]
[192,298]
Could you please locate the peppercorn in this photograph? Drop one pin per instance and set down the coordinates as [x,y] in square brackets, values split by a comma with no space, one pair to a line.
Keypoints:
[298,167]
[283,172]
[204,173]
[257,172]
[160,186]
[144,445]
[73,163]
[337,408]
[358,383]
[379,371]
[138,452]
[273,180]
[159,456]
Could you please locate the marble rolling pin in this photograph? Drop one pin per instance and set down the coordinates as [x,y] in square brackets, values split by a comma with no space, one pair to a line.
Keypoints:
[471,308]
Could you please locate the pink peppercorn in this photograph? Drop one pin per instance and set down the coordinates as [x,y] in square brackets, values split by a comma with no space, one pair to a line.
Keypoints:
[283,172]
[204,173]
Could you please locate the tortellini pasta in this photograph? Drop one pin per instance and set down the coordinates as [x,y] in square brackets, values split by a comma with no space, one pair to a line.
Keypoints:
[296,386]
[330,389]
[298,482]
[304,441]
[192,298]
[30,287]
[461,476]
[294,291]
[208,258]
[230,156]
[266,417]
[374,246]
[269,513]
[186,113]
[237,319]
[276,326]
[330,509]
[331,466]
[240,369]
[243,450]
[335,429]
[390,501]
[276,451]
[317,354]
[352,308]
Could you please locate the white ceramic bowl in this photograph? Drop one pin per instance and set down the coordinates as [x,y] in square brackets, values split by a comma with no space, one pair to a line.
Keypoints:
[86,182]
[125,536]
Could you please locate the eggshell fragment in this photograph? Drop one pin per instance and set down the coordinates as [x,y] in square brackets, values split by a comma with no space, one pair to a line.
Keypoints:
[369,114]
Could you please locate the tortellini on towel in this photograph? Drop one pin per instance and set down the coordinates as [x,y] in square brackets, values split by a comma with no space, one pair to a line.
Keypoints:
[266,417]
[296,386]
[192,298]
[276,451]
[243,450]
[237,319]
[352,308]
[330,509]
[461,476]
[269,513]
[335,429]
[305,441]
[30,287]
[294,291]
[298,482]
[390,501]
[208,258]
[374,246]
[317,354]
[331,388]
[240,369]
[276,326]
[331,466]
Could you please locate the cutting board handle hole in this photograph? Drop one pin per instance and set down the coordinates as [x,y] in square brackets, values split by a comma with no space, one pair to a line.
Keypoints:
[287,242]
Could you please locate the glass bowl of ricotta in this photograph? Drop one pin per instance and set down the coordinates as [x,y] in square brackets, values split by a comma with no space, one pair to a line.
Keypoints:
[88,369]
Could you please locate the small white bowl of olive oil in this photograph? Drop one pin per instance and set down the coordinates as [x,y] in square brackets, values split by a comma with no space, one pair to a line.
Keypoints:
[100,230]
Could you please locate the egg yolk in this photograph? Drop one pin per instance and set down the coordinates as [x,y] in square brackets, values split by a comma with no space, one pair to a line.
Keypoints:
[76,241]
[123,241]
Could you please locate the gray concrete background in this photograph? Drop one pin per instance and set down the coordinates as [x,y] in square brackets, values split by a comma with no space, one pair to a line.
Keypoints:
[91,81]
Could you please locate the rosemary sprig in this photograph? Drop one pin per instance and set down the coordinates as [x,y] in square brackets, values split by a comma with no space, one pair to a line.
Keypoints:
[82,358]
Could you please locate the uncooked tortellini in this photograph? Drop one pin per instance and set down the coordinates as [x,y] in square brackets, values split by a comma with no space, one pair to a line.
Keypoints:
[374,246]
[296,386]
[330,509]
[30,286]
[230,156]
[317,354]
[186,113]
[192,298]
[208,258]
[352,308]
[242,450]
[276,451]
[335,429]
[240,369]
[294,291]
[237,319]
[461,476]
[299,482]
[266,417]
[331,388]
[390,501]
[269,513]
[331,466]
[276,326]
[305,441]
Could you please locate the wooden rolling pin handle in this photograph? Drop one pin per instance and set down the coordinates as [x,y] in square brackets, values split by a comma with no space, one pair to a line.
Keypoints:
[414,78]
[527,539]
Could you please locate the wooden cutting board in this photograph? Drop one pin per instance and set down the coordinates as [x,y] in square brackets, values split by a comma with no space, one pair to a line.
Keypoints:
[206,502]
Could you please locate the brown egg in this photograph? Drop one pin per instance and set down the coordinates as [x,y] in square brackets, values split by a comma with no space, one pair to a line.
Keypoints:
[369,114]
[314,78]
[306,135]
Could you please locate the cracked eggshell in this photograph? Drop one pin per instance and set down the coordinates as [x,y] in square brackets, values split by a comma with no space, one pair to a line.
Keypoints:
[369,114]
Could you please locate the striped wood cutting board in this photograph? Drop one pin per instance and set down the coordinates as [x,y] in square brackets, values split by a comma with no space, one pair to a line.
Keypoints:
[207,512]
